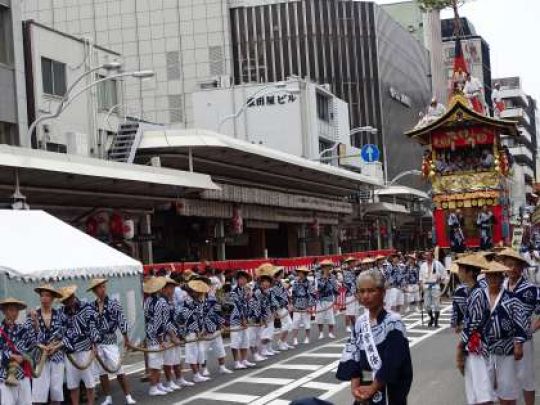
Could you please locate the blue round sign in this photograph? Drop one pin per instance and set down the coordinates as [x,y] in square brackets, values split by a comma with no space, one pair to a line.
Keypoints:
[370,153]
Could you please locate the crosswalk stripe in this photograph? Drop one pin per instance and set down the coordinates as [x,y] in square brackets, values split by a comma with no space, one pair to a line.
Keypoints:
[228,397]
[267,380]
[279,402]
[322,355]
[288,366]
[322,386]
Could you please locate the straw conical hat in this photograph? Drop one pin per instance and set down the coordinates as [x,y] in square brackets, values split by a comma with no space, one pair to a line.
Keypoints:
[368,260]
[67,292]
[12,301]
[511,253]
[495,267]
[48,288]
[188,273]
[265,268]
[379,257]
[303,269]
[326,262]
[199,286]
[169,280]
[473,260]
[350,259]
[454,268]
[153,285]
[96,283]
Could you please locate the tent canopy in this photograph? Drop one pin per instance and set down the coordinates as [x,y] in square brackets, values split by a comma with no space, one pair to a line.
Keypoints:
[36,245]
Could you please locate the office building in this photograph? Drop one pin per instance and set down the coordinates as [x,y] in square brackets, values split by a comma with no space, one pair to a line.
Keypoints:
[521,107]
[13,120]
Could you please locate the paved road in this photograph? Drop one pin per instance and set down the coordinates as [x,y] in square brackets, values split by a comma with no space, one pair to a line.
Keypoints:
[306,371]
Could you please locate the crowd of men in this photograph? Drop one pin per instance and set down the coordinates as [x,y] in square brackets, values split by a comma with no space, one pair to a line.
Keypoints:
[263,312]
[493,315]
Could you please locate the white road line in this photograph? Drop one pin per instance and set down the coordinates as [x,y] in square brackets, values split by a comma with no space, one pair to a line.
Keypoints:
[306,367]
[335,345]
[298,383]
[279,402]
[322,386]
[334,391]
[320,370]
[322,355]
[228,397]
[270,381]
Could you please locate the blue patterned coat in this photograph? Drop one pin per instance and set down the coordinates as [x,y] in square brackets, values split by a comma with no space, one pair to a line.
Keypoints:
[80,327]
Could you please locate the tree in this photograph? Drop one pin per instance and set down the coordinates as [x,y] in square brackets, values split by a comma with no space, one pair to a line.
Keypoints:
[428,5]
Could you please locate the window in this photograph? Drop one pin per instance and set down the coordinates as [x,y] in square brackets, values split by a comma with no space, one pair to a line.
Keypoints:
[173,65]
[107,93]
[175,108]
[5,38]
[54,77]
[323,107]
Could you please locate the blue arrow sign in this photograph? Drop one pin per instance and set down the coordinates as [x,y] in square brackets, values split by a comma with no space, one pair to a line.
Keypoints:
[370,153]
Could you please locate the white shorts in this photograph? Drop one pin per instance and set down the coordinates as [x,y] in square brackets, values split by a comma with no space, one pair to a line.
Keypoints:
[301,320]
[412,294]
[74,376]
[478,388]
[502,369]
[216,345]
[155,360]
[285,319]
[172,357]
[395,297]
[18,395]
[267,332]
[240,339]
[351,306]
[110,354]
[254,336]
[194,350]
[525,368]
[50,382]
[325,313]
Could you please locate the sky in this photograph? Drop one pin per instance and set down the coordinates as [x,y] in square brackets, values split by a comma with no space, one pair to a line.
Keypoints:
[512,30]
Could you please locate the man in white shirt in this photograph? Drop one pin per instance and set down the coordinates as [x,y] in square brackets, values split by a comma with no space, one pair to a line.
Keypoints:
[474,92]
[432,274]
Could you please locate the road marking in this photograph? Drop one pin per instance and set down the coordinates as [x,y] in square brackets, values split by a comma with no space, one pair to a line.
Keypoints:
[322,355]
[319,371]
[270,381]
[279,402]
[335,345]
[306,367]
[323,386]
[228,397]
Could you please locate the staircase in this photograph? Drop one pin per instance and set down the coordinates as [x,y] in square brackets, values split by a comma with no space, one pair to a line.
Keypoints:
[125,142]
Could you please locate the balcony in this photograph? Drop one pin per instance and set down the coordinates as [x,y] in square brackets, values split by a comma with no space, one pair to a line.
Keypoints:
[515,94]
[525,134]
[516,114]
[522,154]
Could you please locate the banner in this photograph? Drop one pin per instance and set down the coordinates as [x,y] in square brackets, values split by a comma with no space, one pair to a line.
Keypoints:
[465,137]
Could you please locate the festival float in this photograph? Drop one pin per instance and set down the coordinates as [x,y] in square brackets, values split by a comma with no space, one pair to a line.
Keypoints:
[467,164]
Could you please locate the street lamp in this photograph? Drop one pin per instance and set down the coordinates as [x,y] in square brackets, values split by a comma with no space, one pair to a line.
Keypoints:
[272,88]
[67,100]
[403,174]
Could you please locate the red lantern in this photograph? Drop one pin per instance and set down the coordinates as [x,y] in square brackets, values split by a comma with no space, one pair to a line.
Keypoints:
[116,225]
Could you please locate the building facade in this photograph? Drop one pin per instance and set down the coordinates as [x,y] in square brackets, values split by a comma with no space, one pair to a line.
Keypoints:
[355,48]
[54,61]
[521,107]
[426,28]
[302,118]
[13,120]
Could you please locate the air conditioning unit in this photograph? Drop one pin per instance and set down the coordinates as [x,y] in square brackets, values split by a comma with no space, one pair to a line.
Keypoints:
[77,143]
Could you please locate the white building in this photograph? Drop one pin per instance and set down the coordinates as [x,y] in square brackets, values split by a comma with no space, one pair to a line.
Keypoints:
[298,117]
[55,61]
[182,41]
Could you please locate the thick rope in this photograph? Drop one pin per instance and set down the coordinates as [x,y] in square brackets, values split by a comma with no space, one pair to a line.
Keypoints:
[83,366]
[105,366]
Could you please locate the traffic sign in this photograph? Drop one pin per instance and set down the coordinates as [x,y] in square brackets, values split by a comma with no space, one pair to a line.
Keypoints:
[370,153]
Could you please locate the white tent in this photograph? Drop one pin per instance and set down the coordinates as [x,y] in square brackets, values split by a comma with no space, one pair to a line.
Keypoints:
[35,245]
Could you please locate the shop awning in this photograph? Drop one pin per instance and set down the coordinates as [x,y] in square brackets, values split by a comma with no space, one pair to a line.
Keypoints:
[227,158]
[381,208]
[36,245]
[48,178]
